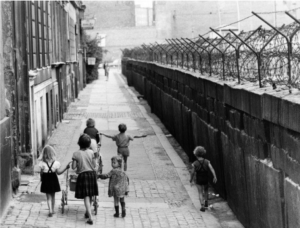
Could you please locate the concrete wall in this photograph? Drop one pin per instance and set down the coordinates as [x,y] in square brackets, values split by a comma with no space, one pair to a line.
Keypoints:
[111,14]
[251,134]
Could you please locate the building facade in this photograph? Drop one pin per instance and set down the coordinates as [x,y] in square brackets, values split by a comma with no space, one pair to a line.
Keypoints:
[42,72]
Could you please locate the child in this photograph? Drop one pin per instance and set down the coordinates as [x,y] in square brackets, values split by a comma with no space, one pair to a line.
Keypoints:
[122,141]
[84,163]
[118,184]
[93,133]
[201,167]
[106,70]
[49,170]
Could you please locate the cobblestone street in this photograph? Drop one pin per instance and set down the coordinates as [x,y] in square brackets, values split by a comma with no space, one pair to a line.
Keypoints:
[160,194]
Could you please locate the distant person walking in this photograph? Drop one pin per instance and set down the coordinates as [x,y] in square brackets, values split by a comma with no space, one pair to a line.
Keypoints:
[201,168]
[106,70]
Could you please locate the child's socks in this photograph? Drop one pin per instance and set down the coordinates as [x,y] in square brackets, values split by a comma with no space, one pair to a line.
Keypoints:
[117,211]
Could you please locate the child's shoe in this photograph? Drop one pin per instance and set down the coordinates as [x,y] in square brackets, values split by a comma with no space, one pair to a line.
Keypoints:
[123,213]
[90,222]
[123,209]
[202,208]
[116,215]
[205,203]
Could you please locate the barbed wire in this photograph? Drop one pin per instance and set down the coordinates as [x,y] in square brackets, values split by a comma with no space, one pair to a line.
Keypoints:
[263,56]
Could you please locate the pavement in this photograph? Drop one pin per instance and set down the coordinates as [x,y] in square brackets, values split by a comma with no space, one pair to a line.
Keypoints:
[160,194]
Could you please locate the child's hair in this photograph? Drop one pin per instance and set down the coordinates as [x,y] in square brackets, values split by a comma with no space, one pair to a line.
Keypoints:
[122,127]
[84,141]
[90,122]
[48,154]
[118,159]
[199,151]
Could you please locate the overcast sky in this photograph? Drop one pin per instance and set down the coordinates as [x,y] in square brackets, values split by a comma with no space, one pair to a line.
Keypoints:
[144,3]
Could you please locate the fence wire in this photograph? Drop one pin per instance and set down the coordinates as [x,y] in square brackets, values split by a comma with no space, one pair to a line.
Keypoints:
[264,56]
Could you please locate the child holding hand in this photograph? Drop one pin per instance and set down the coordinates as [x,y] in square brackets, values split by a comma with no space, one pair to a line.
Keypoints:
[49,168]
[201,167]
[118,184]
[122,140]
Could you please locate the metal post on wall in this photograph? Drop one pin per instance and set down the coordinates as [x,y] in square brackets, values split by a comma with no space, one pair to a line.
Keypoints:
[182,52]
[193,55]
[187,53]
[172,48]
[258,54]
[237,53]
[171,43]
[222,53]
[203,49]
[289,46]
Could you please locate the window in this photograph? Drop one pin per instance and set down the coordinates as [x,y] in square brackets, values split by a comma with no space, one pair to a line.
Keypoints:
[39,40]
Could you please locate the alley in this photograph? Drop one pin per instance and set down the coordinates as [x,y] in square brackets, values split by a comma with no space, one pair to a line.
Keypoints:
[160,194]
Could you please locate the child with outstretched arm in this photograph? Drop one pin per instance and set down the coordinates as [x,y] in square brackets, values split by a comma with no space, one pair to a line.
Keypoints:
[122,140]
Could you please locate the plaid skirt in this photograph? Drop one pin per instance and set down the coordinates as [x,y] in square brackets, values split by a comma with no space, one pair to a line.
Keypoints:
[86,185]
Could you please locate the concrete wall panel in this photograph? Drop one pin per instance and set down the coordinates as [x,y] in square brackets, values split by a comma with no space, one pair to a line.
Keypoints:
[250,138]
[292,199]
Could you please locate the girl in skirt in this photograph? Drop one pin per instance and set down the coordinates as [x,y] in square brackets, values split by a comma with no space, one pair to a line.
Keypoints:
[118,184]
[49,169]
[85,164]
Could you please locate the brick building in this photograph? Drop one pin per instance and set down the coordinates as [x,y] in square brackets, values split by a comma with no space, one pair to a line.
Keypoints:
[42,71]
[116,23]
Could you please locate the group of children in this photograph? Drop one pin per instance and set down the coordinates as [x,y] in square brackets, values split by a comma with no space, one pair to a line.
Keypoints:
[118,180]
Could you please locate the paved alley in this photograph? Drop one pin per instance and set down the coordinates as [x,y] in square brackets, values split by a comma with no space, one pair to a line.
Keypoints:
[160,194]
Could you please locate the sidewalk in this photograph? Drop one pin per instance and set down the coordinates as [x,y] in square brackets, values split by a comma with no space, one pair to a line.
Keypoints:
[160,194]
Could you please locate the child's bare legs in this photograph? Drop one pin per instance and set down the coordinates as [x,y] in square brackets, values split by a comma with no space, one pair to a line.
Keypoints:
[201,198]
[53,202]
[200,191]
[87,204]
[206,195]
[116,202]
[86,212]
[49,202]
[125,162]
